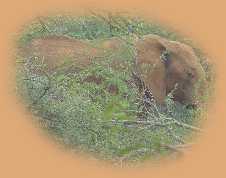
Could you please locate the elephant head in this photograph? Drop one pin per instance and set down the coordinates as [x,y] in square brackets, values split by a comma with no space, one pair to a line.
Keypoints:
[169,66]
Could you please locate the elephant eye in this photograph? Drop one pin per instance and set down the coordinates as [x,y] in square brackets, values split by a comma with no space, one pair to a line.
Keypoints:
[190,74]
[165,55]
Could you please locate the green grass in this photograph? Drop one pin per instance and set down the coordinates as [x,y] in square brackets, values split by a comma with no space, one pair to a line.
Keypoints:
[84,115]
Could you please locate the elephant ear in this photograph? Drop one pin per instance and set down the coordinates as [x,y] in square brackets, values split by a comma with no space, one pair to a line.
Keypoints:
[151,67]
[183,68]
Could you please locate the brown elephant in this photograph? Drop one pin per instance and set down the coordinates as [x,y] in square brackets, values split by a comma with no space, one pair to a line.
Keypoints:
[167,66]
[163,64]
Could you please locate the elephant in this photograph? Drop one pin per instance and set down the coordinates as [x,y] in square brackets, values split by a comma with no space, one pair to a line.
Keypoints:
[165,66]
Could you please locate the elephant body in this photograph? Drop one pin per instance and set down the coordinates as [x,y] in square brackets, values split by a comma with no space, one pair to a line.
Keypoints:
[163,64]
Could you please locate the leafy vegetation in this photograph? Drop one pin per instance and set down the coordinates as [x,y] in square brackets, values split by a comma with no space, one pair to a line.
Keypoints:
[101,117]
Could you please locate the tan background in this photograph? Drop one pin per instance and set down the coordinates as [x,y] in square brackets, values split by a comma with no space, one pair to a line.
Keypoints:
[25,152]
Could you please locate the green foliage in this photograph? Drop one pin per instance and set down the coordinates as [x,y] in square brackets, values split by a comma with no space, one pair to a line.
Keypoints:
[95,26]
